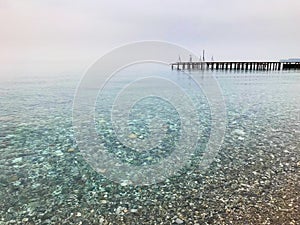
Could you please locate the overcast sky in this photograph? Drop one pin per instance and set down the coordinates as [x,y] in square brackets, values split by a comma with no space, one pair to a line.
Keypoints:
[73,33]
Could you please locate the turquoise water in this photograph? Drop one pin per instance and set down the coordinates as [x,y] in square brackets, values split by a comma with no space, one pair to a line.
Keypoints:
[254,179]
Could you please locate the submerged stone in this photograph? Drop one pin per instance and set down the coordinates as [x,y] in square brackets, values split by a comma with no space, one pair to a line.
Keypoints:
[132,136]
[239,132]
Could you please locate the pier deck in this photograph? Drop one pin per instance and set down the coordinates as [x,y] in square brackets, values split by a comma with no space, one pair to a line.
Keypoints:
[235,65]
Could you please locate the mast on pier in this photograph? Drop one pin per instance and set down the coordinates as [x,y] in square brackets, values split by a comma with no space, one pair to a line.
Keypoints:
[179,59]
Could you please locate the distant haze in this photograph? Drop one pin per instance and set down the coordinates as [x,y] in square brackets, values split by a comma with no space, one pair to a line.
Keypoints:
[68,35]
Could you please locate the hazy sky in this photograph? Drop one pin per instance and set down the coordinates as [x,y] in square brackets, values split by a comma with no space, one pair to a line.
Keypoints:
[71,34]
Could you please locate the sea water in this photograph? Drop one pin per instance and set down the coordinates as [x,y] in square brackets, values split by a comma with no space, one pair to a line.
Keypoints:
[253,179]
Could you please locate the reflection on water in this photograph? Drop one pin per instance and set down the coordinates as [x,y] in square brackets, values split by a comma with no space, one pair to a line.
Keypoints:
[254,179]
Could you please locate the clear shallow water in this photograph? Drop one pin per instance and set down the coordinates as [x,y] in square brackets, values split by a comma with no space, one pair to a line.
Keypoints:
[254,179]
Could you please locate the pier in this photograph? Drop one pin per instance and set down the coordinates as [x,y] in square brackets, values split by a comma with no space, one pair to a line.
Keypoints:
[247,66]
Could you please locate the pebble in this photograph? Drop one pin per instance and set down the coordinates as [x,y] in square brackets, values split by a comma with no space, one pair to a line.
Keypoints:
[17,183]
[239,132]
[103,201]
[71,150]
[179,221]
[58,153]
[25,220]
[17,160]
[132,136]
[133,210]
[125,183]
[121,210]
[241,138]
[101,170]
[13,178]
